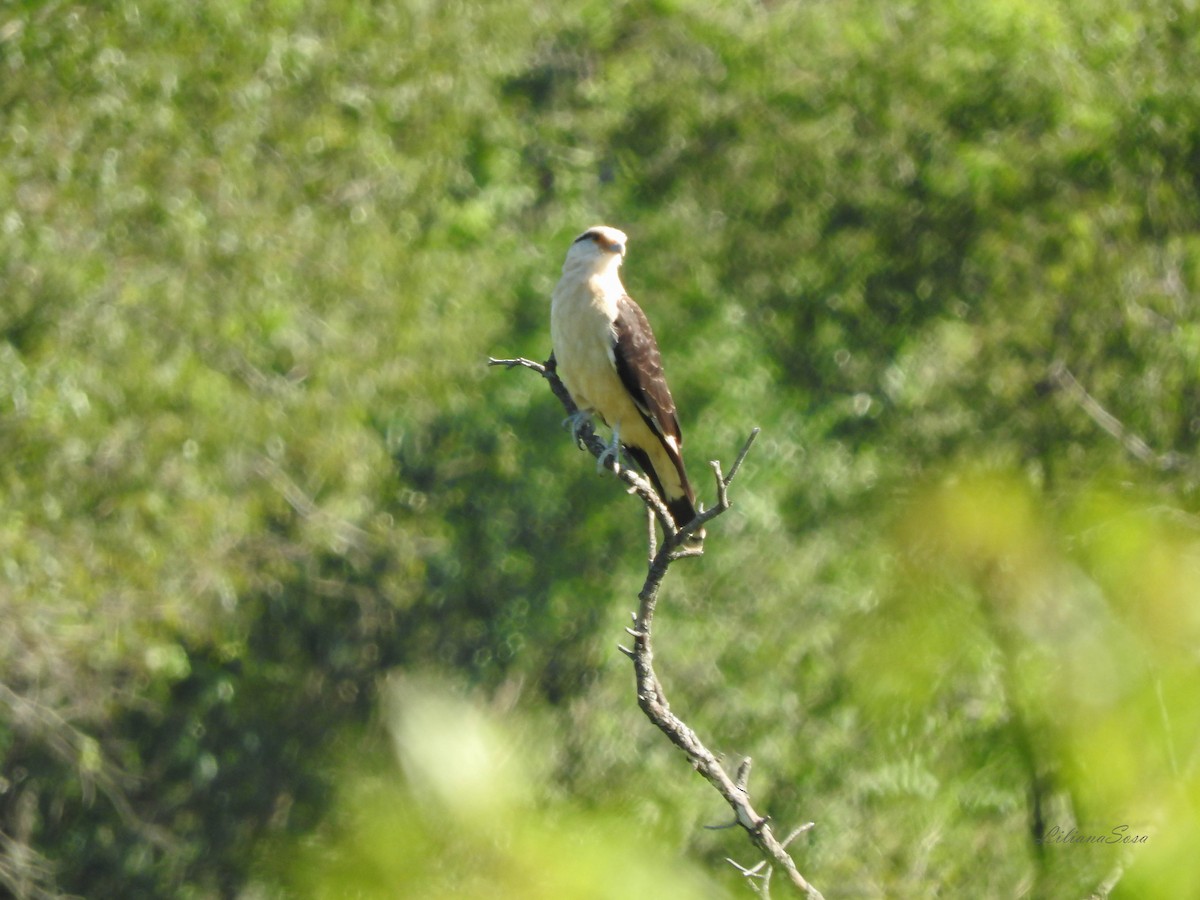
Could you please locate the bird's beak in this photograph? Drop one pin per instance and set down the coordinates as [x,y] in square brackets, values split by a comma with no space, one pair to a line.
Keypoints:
[617,247]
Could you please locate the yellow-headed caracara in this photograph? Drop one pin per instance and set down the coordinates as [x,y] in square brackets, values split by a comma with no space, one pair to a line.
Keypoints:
[609,362]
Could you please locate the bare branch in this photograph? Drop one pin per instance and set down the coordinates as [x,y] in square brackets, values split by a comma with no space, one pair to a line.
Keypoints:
[753,870]
[756,876]
[796,832]
[737,463]
[1061,376]
[726,825]
[653,702]
[743,773]
[722,487]
[650,695]
[519,361]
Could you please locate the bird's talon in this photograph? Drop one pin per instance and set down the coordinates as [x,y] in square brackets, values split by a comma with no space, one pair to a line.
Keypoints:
[576,422]
[609,456]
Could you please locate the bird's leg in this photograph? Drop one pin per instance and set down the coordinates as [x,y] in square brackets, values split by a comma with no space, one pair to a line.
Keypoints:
[611,452]
[576,421]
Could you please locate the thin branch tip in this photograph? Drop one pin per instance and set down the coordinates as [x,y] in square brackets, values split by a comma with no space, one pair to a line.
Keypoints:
[743,773]
[732,824]
[748,872]
[518,361]
[737,463]
[796,832]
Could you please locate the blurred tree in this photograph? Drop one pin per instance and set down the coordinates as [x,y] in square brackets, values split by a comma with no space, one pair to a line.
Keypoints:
[253,258]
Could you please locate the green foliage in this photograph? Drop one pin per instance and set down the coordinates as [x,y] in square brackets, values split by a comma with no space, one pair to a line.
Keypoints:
[459,820]
[253,258]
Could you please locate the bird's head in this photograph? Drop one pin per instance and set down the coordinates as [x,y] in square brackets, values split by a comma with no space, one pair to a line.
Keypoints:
[597,248]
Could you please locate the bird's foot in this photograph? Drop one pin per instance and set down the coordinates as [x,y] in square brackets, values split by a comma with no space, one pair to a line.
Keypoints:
[612,453]
[577,421]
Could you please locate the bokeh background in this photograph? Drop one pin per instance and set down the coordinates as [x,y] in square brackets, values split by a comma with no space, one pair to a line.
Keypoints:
[299,598]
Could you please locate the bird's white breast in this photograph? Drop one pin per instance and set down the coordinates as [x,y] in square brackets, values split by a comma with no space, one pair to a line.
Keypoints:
[581,328]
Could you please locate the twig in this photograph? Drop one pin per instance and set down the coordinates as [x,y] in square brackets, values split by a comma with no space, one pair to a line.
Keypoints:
[651,698]
[743,773]
[796,832]
[1061,376]
[753,870]
[758,877]
[538,367]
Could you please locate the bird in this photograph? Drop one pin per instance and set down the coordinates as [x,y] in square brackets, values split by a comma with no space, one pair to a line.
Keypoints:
[608,360]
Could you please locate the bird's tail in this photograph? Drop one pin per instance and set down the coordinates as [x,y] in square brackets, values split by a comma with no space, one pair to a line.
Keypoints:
[682,509]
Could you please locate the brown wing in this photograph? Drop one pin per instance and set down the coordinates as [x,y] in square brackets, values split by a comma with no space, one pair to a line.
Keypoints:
[639,365]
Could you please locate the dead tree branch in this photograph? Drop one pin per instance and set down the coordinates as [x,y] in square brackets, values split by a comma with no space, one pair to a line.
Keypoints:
[652,698]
